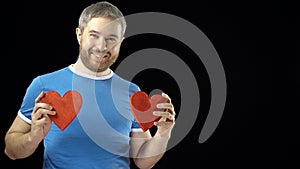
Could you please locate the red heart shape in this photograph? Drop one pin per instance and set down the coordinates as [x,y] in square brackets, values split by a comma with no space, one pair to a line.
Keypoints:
[66,107]
[142,108]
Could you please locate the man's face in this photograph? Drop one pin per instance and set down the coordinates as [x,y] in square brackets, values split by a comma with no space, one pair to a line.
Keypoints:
[100,43]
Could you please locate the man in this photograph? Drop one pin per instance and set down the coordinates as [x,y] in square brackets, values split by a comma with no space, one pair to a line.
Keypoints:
[104,133]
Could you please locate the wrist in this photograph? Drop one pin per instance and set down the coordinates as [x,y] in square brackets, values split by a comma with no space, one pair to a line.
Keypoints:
[164,134]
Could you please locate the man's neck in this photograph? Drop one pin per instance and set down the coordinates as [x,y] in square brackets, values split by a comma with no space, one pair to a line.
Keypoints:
[79,67]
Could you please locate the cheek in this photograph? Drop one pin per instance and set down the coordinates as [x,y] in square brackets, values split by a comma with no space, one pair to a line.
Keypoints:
[115,55]
[86,43]
[115,50]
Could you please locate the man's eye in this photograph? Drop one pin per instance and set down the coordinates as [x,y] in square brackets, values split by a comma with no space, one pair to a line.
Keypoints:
[111,40]
[94,35]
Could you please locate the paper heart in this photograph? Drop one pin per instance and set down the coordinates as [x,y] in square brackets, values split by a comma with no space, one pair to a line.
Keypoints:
[142,108]
[66,107]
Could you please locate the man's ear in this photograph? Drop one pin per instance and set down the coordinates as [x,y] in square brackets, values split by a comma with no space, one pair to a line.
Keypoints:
[78,35]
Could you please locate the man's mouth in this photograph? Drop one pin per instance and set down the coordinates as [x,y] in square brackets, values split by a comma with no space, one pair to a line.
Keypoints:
[100,55]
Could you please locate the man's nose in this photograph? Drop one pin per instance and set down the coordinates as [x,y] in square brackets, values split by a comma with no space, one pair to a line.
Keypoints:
[101,44]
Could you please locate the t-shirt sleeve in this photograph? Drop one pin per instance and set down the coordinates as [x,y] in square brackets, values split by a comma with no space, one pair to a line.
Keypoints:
[135,127]
[32,92]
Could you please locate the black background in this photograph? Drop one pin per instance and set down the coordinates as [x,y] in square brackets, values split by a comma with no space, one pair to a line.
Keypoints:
[251,38]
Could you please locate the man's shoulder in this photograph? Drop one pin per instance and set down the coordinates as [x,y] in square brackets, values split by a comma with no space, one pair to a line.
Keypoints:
[119,79]
[57,72]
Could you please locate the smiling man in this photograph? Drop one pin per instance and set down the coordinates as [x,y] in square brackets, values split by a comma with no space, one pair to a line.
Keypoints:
[104,134]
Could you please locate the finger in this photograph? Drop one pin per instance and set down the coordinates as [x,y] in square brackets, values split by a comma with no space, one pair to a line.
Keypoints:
[165,106]
[37,101]
[38,106]
[171,111]
[161,113]
[166,96]
[40,96]
[43,120]
[46,112]
[41,111]
[166,115]
[163,123]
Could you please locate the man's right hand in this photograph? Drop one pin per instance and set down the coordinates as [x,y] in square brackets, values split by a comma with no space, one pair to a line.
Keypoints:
[40,121]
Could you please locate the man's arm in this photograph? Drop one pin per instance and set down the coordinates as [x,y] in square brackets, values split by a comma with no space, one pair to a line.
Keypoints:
[22,139]
[18,143]
[146,150]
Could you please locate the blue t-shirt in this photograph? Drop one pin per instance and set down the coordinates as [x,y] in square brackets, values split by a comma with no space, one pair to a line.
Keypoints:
[99,135]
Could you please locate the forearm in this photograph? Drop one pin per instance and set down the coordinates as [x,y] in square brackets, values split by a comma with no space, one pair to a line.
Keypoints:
[152,151]
[19,145]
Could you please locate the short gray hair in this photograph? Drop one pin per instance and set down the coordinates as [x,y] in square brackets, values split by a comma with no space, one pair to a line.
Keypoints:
[101,9]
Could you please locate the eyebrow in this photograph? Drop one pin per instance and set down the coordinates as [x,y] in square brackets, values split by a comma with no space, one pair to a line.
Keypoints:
[96,32]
